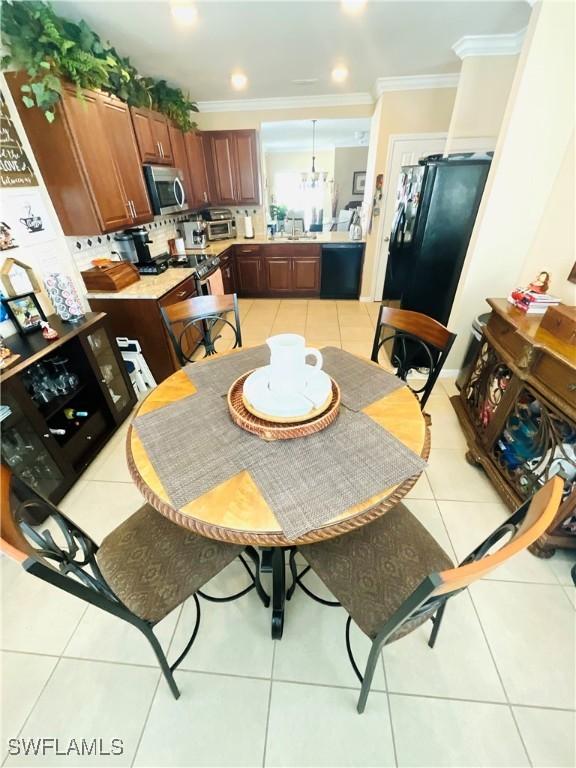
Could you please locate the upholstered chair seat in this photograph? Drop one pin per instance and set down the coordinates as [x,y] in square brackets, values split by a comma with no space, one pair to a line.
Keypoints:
[153,565]
[374,569]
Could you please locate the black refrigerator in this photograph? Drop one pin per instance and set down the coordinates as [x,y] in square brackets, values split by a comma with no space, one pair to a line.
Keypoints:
[437,205]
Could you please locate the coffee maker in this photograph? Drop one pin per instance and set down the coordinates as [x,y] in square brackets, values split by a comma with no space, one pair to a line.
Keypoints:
[133,246]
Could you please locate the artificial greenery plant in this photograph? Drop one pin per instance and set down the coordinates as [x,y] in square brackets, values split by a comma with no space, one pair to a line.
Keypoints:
[52,50]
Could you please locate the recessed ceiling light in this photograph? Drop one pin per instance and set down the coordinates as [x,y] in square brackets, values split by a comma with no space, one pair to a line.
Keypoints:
[353,7]
[238,80]
[339,73]
[184,13]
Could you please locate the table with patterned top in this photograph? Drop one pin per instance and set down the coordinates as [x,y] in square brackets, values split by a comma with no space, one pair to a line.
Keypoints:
[236,511]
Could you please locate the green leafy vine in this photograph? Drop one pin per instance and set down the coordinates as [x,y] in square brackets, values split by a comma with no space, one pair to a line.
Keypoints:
[52,50]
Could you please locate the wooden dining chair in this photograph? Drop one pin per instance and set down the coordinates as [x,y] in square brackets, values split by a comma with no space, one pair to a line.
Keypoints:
[143,569]
[391,576]
[197,322]
[412,341]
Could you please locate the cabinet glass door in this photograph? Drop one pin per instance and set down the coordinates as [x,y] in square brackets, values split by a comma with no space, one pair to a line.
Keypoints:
[111,375]
[23,450]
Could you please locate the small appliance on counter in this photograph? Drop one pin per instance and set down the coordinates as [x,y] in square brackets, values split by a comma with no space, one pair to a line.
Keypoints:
[205,268]
[355,231]
[195,234]
[220,223]
[133,247]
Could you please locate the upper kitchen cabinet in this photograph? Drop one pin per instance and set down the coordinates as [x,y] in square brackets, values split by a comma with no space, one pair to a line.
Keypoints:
[153,136]
[118,127]
[236,177]
[178,143]
[89,161]
[196,150]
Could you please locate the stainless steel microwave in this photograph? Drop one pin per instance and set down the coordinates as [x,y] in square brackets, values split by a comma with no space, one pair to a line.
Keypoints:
[165,188]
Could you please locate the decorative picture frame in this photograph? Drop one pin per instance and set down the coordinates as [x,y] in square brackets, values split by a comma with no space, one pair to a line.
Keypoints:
[572,275]
[25,312]
[359,182]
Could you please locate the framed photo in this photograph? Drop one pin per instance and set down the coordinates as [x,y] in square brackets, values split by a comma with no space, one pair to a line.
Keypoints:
[359,182]
[25,312]
[572,275]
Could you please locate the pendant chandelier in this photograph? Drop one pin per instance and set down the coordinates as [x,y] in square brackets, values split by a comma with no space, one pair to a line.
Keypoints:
[314,178]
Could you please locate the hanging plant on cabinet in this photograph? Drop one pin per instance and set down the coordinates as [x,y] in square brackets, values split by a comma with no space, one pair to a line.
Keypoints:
[53,51]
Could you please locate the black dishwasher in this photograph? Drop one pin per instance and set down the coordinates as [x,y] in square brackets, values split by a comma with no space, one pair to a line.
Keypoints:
[341,270]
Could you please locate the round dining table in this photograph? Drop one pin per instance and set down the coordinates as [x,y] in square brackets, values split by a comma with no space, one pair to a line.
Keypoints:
[235,511]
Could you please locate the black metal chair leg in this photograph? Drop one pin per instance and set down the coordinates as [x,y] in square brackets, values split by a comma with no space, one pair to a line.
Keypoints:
[293,572]
[262,594]
[368,675]
[278,592]
[162,660]
[190,642]
[436,621]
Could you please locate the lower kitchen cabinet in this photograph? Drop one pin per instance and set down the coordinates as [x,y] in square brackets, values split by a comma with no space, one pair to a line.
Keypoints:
[141,319]
[278,270]
[65,399]
[227,267]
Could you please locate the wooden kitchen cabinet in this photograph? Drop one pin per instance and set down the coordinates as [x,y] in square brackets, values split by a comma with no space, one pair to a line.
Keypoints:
[89,161]
[227,267]
[153,136]
[196,151]
[223,162]
[178,144]
[306,275]
[234,166]
[249,272]
[118,127]
[278,275]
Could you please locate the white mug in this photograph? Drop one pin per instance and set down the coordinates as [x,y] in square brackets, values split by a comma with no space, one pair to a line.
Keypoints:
[288,363]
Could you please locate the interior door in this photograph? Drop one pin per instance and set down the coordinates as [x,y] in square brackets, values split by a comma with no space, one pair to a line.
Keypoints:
[403,151]
[116,120]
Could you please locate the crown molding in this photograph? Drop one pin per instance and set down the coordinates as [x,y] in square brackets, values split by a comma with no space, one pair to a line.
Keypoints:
[489,45]
[415,83]
[286,102]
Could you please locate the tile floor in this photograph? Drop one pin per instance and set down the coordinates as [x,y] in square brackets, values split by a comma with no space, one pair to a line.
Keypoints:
[498,689]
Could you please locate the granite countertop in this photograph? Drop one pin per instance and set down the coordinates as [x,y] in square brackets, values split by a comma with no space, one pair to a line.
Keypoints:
[155,286]
[148,287]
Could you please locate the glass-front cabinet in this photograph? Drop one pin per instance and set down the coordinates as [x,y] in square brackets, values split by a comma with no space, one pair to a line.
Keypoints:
[25,451]
[61,402]
[112,375]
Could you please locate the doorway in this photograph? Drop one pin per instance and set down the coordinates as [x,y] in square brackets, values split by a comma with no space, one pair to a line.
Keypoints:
[402,150]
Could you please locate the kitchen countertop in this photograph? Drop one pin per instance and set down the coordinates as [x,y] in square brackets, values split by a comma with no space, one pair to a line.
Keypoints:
[148,287]
[155,286]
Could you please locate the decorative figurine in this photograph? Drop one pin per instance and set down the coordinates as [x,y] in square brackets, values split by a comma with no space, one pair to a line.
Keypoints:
[48,332]
[540,285]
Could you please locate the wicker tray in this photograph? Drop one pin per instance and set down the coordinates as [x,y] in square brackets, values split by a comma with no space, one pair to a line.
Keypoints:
[269,430]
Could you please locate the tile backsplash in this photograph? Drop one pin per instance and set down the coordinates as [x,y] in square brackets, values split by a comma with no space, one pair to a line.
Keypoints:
[162,229]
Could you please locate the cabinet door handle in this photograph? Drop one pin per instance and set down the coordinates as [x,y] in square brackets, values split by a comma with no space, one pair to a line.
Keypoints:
[159,147]
[572,387]
[46,434]
[181,293]
[205,197]
[133,207]
[162,149]
[127,204]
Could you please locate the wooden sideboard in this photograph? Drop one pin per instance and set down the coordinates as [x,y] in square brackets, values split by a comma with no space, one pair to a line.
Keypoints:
[518,411]
[64,399]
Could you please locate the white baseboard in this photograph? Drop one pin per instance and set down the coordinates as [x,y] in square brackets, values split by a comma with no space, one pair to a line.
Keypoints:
[366,298]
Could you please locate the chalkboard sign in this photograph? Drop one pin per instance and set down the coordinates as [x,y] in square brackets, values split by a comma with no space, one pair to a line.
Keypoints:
[15,168]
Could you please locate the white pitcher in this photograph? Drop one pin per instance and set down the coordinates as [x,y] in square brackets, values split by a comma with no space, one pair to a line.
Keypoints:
[288,370]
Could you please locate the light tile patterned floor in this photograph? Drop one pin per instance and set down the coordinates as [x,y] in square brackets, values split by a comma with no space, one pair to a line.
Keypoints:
[498,689]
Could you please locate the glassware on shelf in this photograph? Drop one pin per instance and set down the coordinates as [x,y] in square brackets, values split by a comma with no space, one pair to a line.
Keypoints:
[50,379]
